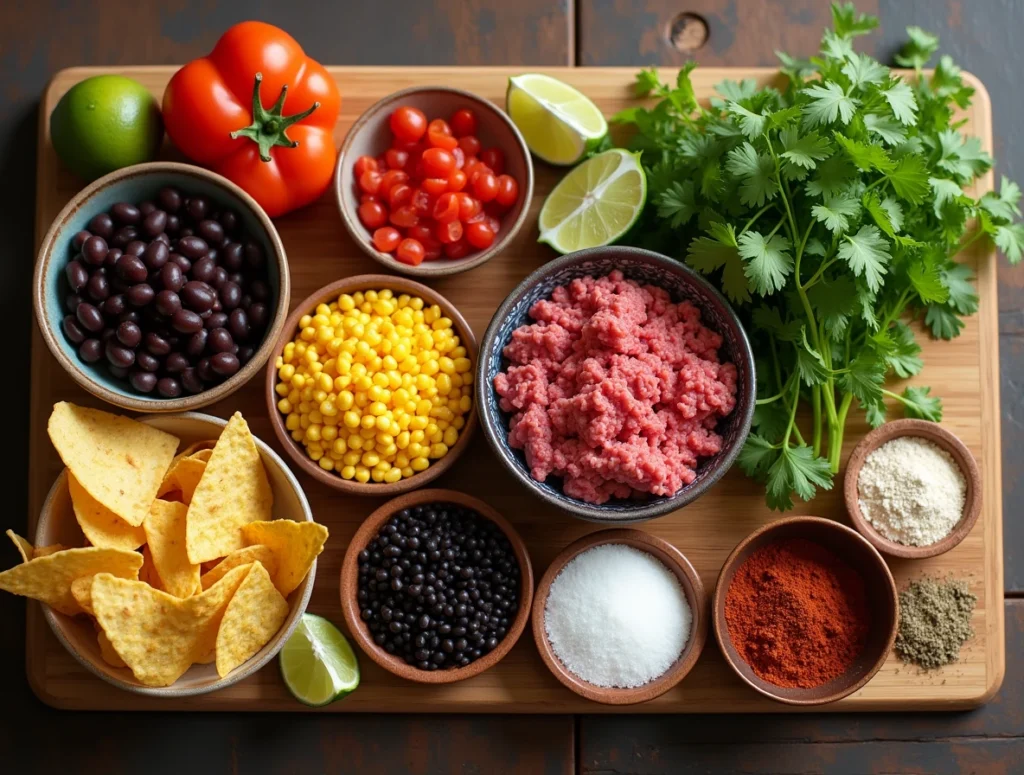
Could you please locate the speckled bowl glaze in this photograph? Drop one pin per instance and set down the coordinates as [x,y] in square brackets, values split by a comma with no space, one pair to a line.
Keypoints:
[136,184]
[644,266]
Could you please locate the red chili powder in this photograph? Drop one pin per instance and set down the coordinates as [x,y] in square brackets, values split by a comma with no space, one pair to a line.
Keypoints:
[797,614]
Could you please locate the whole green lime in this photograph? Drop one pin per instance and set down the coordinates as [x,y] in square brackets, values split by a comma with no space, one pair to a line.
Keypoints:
[105,123]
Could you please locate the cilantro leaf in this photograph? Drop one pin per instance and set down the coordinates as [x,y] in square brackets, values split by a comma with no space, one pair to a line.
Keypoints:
[943,322]
[904,355]
[1003,206]
[865,156]
[827,103]
[834,302]
[927,281]
[751,124]
[796,470]
[809,364]
[832,177]
[769,319]
[706,254]
[736,91]
[918,50]
[647,81]
[836,212]
[887,214]
[867,253]
[944,191]
[804,150]
[794,68]
[946,82]
[918,403]
[757,456]
[962,296]
[848,22]
[677,204]
[862,69]
[889,129]
[757,172]
[768,261]
[864,377]
[1010,240]
[963,159]
[901,101]
[875,414]
[910,179]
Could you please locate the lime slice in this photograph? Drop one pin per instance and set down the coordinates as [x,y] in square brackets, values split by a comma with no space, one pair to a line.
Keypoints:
[317,663]
[559,124]
[595,204]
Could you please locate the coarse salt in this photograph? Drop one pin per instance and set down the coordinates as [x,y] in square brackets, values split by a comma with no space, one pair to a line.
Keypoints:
[912,491]
[617,617]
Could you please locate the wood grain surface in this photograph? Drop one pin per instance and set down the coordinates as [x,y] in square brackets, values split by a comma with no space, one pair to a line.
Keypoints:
[963,372]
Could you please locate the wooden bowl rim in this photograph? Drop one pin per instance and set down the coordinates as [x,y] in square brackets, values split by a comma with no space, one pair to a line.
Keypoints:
[298,600]
[161,405]
[444,267]
[722,631]
[298,454]
[945,440]
[350,579]
[696,598]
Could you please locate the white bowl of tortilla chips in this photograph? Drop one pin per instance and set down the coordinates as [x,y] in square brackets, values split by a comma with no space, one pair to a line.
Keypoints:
[208,585]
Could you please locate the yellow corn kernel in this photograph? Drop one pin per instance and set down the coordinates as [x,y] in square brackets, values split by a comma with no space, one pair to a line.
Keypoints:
[420,464]
[377,408]
[417,436]
[446,364]
[327,463]
[442,413]
[418,423]
[376,475]
[370,459]
[284,406]
[282,389]
[347,472]
[345,400]
[362,474]
[298,436]
[355,441]
[451,436]
[313,433]
[438,450]
[351,457]
[351,419]
[340,447]
[392,476]
[362,400]
[329,432]
[367,421]
[402,440]
[423,407]
[465,404]
[443,383]
[362,383]
[291,422]
[367,435]
[384,423]
[461,363]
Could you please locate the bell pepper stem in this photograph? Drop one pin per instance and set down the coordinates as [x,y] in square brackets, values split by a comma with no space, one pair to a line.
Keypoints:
[268,126]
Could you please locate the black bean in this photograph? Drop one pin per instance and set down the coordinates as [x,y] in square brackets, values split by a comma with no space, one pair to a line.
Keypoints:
[129,334]
[196,344]
[186,231]
[220,341]
[110,260]
[145,208]
[176,363]
[204,269]
[168,387]
[167,303]
[232,256]
[204,371]
[192,247]
[136,247]
[225,364]
[183,263]
[258,316]
[118,355]
[186,321]
[94,250]
[162,237]
[72,330]
[77,275]
[198,296]
[245,354]
[259,290]
[237,278]
[238,325]
[157,344]
[145,361]
[91,350]
[173,226]
[156,255]
[169,199]
[228,220]
[129,316]
[171,277]
[79,239]
[102,225]
[89,317]
[197,208]
[98,287]
[190,381]
[211,231]
[140,295]
[126,213]
[143,381]
[123,236]
[71,302]
[131,269]
[220,276]
[230,295]
[254,256]
[118,371]
[155,223]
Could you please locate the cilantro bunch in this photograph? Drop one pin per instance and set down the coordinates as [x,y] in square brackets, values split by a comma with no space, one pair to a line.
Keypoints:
[830,209]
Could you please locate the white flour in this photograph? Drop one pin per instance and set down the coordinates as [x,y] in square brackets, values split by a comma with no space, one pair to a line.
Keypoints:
[912,491]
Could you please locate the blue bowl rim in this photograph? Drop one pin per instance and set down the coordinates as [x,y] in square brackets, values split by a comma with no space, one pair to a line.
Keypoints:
[496,432]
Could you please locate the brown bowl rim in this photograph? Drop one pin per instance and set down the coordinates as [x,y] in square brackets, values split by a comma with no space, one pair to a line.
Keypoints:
[722,631]
[298,454]
[444,267]
[182,403]
[696,597]
[350,578]
[947,441]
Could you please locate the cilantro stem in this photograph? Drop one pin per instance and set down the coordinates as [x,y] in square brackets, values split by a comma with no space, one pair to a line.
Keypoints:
[897,309]
[963,246]
[803,242]
[755,216]
[835,434]
[792,418]
[816,428]
[772,232]
[877,182]
[821,271]
[780,394]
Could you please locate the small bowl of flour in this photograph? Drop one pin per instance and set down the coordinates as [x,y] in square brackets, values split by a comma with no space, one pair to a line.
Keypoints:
[913,489]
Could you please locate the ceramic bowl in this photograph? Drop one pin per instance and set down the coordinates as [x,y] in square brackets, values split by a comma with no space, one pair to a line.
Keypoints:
[77,634]
[880,590]
[676,562]
[946,441]
[298,453]
[370,135]
[136,184]
[350,583]
[645,267]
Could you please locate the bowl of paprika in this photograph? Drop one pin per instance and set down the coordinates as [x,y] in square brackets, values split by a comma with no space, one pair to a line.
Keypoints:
[805,611]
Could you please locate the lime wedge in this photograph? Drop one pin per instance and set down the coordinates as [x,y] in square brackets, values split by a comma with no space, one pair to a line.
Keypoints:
[317,663]
[559,124]
[595,204]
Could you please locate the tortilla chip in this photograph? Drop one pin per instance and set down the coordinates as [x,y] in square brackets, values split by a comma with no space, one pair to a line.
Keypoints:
[257,553]
[197,447]
[295,545]
[25,549]
[208,658]
[102,526]
[203,455]
[158,635]
[254,615]
[48,579]
[81,591]
[107,649]
[234,491]
[147,572]
[165,537]
[120,462]
[46,551]
[183,477]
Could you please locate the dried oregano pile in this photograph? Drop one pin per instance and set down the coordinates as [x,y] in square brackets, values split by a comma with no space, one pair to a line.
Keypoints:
[935,621]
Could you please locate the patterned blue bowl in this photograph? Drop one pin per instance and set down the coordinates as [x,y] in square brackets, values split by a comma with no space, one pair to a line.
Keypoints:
[136,184]
[645,267]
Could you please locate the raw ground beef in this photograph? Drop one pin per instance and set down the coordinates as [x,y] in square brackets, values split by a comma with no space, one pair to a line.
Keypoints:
[615,389]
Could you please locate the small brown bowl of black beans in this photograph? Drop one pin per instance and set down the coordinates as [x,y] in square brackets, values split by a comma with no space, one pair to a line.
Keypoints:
[436,586]
[161,287]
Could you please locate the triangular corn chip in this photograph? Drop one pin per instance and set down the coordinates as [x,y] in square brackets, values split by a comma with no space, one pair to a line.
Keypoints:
[48,579]
[183,477]
[107,650]
[46,551]
[295,545]
[257,553]
[99,524]
[165,537]
[81,591]
[254,615]
[25,549]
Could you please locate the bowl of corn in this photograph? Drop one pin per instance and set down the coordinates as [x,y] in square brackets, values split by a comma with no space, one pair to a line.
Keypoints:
[371,387]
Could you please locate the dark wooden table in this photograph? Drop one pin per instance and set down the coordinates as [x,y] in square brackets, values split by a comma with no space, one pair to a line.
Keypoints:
[39,37]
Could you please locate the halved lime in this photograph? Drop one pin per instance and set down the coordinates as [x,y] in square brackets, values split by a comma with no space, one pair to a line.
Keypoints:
[596,203]
[317,663]
[559,124]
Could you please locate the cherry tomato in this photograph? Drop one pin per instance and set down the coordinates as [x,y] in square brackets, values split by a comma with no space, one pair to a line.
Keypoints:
[449,232]
[390,179]
[458,249]
[439,135]
[364,163]
[399,194]
[493,158]
[456,181]
[369,181]
[386,239]
[508,191]
[470,144]
[408,124]
[470,166]
[436,186]
[396,158]
[421,232]
[460,158]
[382,164]
[447,207]
[463,122]
[479,235]
[485,186]
[405,216]
[422,202]
[433,251]
[369,198]
[438,163]
[493,223]
[373,215]
[410,252]
[478,217]
[468,206]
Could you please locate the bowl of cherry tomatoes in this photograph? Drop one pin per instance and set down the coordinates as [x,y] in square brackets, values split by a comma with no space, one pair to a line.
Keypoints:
[433,181]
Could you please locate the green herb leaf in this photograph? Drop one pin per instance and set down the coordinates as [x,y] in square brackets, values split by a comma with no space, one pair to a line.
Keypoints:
[917,403]
[832,177]
[943,322]
[834,302]
[647,81]
[865,156]
[864,377]
[768,261]
[867,253]
[794,68]
[918,50]
[926,279]
[768,319]
[751,124]
[736,91]
[707,254]
[771,420]
[676,204]
[796,470]
[836,212]
[889,129]
[806,150]
[848,22]
[757,173]
[910,179]
[1003,206]
[862,69]
[875,414]
[901,101]
[827,103]
[946,82]
[1010,240]
[904,355]
[757,456]
[962,296]
[809,364]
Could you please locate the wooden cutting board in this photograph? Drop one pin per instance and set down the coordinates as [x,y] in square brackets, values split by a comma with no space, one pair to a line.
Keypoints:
[965,373]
